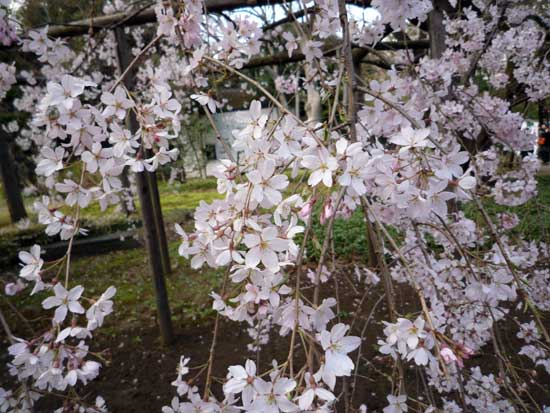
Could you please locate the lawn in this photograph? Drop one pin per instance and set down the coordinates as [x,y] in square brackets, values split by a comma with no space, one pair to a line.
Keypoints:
[128,270]
[175,198]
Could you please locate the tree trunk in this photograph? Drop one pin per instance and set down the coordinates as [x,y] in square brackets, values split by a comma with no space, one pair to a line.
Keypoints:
[124,60]
[128,205]
[10,180]
[313,106]
[155,237]
[436,27]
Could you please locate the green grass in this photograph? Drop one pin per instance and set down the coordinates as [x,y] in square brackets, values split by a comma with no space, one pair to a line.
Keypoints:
[186,197]
[178,202]
[534,215]
[180,199]
[128,271]
[349,236]
[350,240]
[175,197]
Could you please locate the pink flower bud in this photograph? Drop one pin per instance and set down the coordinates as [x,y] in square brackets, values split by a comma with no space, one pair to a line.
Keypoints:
[448,355]
[327,212]
[305,212]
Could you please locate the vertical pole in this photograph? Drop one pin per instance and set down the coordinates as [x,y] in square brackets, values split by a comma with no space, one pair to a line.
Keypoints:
[436,30]
[127,203]
[155,261]
[124,57]
[159,222]
[10,180]
[436,26]
[151,230]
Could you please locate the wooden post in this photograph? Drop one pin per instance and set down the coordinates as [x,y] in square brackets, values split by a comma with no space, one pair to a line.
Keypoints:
[436,27]
[10,180]
[128,205]
[125,58]
[159,222]
[155,261]
[145,183]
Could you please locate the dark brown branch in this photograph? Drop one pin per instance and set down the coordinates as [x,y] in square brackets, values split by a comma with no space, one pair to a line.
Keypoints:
[81,27]
[383,65]
[330,49]
[290,18]
[536,19]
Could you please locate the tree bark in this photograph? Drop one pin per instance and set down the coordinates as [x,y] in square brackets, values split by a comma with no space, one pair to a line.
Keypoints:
[159,222]
[124,60]
[10,180]
[127,201]
[155,260]
[436,27]
[147,15]
[313,106]
[153,226]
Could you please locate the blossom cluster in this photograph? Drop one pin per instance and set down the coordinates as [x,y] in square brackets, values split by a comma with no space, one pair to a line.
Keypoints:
[8,33]
[426,139]
[78,128]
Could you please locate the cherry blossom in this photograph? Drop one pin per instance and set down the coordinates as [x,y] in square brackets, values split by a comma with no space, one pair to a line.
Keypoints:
[408,138]
[337,346]
[272,396]
[323,166]
[66,92]
[206,100]
[266,185]
[64,301]
[263,248]
[116,103]
[32,263]
[314,390]
[52,161]
[102,307]
[397,404]
[242,380]
[427,139]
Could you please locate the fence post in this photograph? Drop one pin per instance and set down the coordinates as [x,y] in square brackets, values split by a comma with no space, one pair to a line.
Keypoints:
[159,222]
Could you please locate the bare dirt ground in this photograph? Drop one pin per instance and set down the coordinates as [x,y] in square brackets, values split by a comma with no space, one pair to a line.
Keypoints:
[140,369]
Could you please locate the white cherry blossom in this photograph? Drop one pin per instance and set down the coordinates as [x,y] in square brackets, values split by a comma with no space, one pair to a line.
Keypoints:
[322,165]
[263,247]
[65,301]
